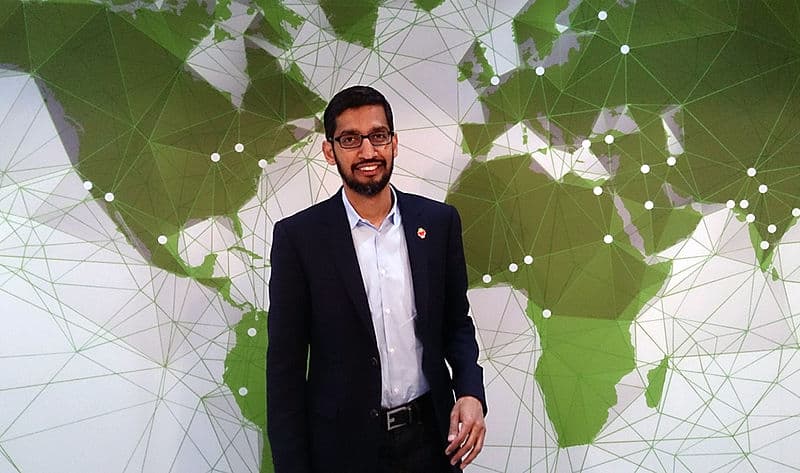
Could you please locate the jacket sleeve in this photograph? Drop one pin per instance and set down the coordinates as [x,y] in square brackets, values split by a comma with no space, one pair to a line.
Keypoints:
[461,348]
[287,352]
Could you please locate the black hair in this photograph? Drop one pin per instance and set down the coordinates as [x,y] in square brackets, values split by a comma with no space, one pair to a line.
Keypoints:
[354,97]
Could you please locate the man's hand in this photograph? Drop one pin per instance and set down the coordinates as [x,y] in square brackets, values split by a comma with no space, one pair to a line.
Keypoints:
[467,430]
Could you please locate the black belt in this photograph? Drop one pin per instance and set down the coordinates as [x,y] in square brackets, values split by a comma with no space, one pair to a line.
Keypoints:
[407,414]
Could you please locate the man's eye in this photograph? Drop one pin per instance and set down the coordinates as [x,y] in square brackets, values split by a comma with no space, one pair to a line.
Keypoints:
[379,136]
[348,140]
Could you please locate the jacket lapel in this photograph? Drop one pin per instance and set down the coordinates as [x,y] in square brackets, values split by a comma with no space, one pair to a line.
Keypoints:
[341,241]
[344,256]
[415,231]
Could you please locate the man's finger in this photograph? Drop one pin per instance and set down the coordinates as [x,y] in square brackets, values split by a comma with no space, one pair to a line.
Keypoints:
[459,455]
[464,429]
[457,441]
[476,449]
[451,434]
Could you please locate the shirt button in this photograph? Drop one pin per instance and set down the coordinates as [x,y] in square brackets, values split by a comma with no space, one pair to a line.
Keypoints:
[387,311]
[391,350]
[396,390]
[383,272]
[374,413]
[374,361]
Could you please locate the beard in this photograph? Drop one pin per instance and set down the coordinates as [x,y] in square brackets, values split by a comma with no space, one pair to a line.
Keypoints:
[367,189]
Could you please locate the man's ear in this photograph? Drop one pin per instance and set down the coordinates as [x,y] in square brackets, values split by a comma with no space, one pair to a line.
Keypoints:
[327,150]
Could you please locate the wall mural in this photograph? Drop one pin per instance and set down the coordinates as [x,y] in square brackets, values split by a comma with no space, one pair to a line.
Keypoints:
[626,172]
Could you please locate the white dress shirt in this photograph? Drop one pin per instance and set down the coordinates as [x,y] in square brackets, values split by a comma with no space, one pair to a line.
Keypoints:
[383,259]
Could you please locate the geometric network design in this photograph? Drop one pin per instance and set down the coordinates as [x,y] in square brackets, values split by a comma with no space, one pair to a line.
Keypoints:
[626,174]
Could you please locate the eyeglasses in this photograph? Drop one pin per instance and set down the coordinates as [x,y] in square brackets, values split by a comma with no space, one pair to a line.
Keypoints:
[354,140]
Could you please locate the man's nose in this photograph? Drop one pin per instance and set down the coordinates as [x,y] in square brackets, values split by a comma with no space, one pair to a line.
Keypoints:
[367,148]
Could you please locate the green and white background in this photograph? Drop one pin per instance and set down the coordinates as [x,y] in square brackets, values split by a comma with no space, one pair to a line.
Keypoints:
[627,174]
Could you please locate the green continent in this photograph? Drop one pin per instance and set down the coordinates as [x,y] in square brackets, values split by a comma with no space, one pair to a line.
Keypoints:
[729,78]
[147,126]
[590,290]
[428,5]
[177,32]
[655,383]
[538,23]
[582,361]
[353,20]
[272,22]
[147,133]
[476,56]
[245,374]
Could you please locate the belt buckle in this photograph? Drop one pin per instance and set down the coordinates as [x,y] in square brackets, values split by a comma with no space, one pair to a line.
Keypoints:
[390,419]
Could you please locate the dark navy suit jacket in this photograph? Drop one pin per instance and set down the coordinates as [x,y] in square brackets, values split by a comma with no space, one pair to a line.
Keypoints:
[323,367]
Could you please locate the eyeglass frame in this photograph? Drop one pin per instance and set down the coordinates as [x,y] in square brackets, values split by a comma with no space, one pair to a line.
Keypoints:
[361,137]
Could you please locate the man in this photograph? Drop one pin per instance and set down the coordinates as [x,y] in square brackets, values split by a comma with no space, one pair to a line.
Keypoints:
[367,303]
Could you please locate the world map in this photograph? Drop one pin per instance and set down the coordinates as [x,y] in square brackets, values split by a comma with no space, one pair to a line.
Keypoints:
[608,160]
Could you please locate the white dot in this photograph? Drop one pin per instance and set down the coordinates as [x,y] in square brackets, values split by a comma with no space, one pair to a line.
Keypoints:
[238,147]
[602,15]
[162,239]
[597,190]
[744,203]
[750,218]
[764,245]
[252,331]
[772,228]
[624,49]
[109,197]
[608,239]
[546,313]
[494,80]
[795,212]
[215,157]
[540,71]
[528,259]
[586,144]
[609,139]
[88,185]
[262,163]
[243,391]
[751,172]
[487,278]
[513,267]
[730,204]
[648,205]
[671,161]
[763,188]
[645,168]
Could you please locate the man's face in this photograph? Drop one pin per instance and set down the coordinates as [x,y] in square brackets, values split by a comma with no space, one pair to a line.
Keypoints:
[367,168]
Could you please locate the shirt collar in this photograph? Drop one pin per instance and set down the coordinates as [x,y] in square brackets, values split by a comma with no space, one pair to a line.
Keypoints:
[393,217]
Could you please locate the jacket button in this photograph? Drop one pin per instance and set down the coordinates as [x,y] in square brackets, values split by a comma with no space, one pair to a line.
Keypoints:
[374,413]
[375,361]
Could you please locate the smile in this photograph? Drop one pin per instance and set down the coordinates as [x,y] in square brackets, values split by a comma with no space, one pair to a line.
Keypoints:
[368,167]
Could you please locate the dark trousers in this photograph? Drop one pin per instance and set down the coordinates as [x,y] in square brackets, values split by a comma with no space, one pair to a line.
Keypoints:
[415,448]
